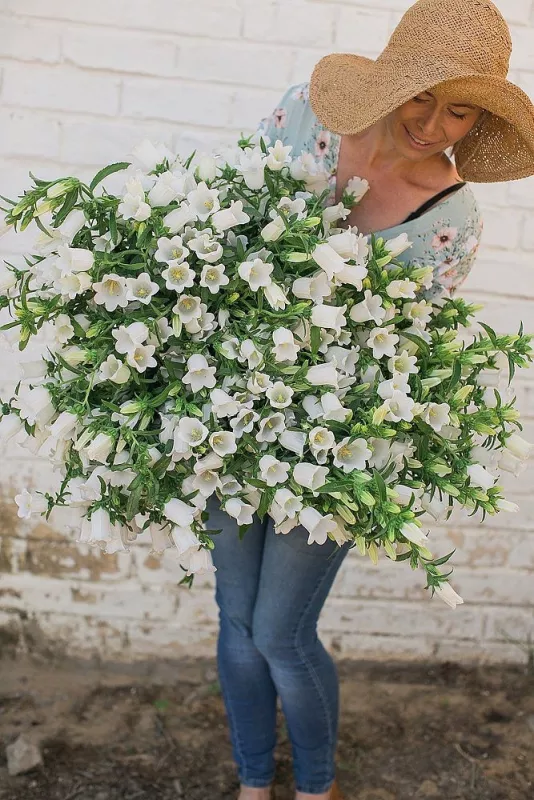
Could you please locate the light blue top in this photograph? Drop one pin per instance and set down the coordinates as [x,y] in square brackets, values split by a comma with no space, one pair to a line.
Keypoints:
[445,237]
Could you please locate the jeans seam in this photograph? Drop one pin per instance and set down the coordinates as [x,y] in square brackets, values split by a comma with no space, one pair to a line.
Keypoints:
[309,666]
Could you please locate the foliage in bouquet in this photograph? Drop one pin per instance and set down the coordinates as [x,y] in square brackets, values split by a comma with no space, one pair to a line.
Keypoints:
[211,335]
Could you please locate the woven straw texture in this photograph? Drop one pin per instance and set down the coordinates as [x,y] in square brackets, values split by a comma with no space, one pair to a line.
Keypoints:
[463,46]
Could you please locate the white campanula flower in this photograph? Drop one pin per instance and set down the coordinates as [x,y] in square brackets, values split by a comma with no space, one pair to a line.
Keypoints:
[249,352]
[436,507]
[141,288]
[199,375]
[99,448]
[294,441]
[505,505]
[285,348]
[183,538]
[278,156]
[279,395]
[178,276]
[10,426]
[105,243]
[111,292]
[179,512]
[63,330]
[213,277]
[8,279]
[382,342]
[73,259]
[317,525]
[128,337]
[142,357]
[275,296]
[519,447]
[351,246]
[398,383]
[171,250]
[240,511]
[316,288]
[134,205]
[192,431]
[251,165]
[198,561]
[73,284]
[272,470]
[350,455]
[287,208]
[206,168]
[333,317]
[343,358]
[403,362]
[270,428]
[398,245]
[204,201]
[446,593]
[414,534]
[331,214]
[397,407]
[321,441]
[330,262]
[259,382]
[148,155]
[176,220]
[436,415]
[169,186]
[206,247]
[357,188]
[229,485]
[289,503]
[229,217]
[223,405]
[323,375]
[223,443]
[256,273]
[369,309]
[352,274]
[419,313]
[35,405]
[310,476]
[306,168]
[509,463]
[187,308]
[480,476]
[30,503]
[401,289]
[273,230]
[243,422]
[114,370]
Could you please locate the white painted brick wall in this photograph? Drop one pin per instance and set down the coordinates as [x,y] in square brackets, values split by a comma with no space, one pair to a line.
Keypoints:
[82,82]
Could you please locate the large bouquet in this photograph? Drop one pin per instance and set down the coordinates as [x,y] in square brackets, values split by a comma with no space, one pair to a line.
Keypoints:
[210,333]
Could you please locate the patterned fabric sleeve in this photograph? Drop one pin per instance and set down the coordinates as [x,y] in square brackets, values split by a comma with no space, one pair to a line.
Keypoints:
[285,120]
[454,245]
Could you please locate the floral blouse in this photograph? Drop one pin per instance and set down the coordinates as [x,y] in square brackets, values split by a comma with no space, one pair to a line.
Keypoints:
[446,237]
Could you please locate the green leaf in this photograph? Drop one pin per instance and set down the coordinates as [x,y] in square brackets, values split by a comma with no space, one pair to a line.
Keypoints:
[381,486]
[66,208]
[315,339]
[109,170]
[132,506]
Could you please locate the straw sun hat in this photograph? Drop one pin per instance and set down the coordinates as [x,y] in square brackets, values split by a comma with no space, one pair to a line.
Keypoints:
[463,45]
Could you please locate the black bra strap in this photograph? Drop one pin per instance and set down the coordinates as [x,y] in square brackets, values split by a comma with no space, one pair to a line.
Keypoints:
[433,200]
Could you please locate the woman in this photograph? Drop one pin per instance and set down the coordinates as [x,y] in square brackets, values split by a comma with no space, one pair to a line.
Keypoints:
[439,86]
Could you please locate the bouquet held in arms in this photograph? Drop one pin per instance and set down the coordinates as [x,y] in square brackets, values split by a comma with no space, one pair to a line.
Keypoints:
[212,335]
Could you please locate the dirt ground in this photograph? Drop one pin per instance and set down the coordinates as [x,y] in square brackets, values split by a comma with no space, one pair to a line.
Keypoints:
[158,732]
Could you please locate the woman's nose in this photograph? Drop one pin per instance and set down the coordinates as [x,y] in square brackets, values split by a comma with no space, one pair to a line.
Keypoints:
[428,125]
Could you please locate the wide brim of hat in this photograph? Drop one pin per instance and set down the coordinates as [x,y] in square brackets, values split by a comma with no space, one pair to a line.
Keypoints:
[350,93]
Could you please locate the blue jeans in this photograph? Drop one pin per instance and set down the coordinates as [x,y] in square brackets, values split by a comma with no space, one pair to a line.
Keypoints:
[270,591]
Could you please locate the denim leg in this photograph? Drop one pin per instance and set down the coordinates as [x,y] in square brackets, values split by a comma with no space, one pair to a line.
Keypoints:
[294,584]
[248,689]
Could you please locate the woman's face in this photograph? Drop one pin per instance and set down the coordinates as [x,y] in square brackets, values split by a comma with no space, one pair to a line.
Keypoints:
[431,123]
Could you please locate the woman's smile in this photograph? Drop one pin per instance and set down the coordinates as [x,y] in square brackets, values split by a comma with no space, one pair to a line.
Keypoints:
[419,144]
